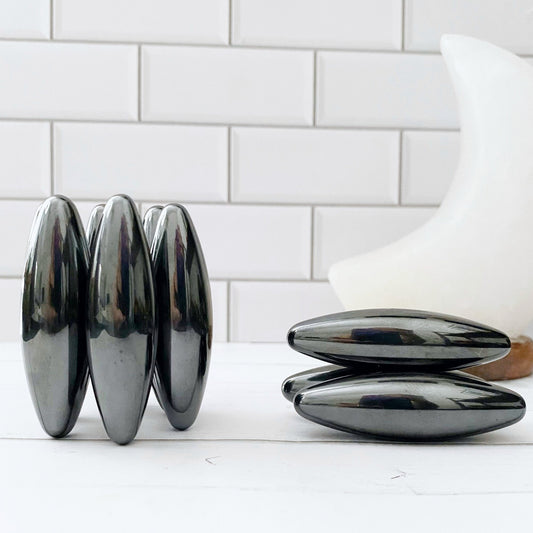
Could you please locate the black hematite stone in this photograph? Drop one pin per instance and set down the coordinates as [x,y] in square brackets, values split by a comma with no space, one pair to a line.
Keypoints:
[411,406]
[398,339]
[314,376]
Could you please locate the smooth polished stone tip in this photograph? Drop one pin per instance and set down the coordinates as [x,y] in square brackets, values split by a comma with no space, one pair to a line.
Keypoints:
[401,338]
[411,406]
[94,223]
[185,328]
[54,319]
[315,376]
[150,220]
[122,321]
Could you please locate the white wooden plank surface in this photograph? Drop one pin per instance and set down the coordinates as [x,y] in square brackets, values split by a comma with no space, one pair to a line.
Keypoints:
[251,463]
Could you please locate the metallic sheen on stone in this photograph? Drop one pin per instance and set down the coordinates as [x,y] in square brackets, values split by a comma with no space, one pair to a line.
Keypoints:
[411,406]
[54,315]
[121,319]
[93,225]
[184,317]
[315,376]
[150,220]
[399,337]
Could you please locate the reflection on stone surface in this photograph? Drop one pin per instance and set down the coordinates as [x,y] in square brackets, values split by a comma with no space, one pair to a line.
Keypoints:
[121,317]
[54,315]
[303,380]
[411,406]
[184,316]
[402,338]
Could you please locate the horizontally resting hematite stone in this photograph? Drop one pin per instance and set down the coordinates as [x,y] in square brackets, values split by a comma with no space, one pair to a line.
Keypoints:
[314,376]
[400,338]
[411,406]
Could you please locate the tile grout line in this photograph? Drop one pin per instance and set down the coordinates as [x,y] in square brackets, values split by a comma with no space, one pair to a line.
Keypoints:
[315,88]
[51,19]
[208,203]
[403,27]
[230,22]
[280,47]
[229,180]
[259,47]
[139,82]
[400,169]
[52,157]
[228,280]
[312,269]
[228,310]
[324,127]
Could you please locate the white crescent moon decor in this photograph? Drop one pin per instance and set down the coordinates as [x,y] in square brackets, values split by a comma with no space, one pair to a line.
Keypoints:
[474,257]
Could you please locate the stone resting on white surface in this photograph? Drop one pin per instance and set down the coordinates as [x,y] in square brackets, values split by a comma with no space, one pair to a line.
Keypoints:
[474,257]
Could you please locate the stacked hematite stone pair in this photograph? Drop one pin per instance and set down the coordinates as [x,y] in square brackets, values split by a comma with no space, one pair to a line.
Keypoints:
[109,306]
[394,375]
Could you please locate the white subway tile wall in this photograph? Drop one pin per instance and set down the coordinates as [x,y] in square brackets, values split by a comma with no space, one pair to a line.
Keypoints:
[297,132]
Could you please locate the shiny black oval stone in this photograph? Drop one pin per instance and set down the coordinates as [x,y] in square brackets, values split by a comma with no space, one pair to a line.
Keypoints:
[185,324]
[54,315]
[121,317]
[399,337]
[411,406]
[314,376]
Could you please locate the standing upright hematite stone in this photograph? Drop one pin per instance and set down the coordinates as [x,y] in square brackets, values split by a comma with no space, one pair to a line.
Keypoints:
[122,323]
[150,220]
[185,325]
[94,224]
[54,315]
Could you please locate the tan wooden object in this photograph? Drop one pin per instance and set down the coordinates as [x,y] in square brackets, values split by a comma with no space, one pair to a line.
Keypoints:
[518,363]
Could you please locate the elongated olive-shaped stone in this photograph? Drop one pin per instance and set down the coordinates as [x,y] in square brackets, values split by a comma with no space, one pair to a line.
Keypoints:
[150,220]
[316,376]
[411,406]
[93,225]
[54,315]
[184,314]
[121,319]
[399,337]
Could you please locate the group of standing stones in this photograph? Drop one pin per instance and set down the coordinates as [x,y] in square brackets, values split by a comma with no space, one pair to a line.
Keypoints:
[127,305]
[394,375]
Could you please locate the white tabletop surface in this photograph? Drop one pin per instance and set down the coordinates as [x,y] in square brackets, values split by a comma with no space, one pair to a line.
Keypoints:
[250,463]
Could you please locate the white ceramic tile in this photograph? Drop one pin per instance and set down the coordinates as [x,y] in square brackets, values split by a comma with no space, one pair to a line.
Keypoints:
[393,90]
[10,309]
[219,298]
[375,24]
[342,232]
[24,159]
[25,18]
[264,311]
[200,21]
[507,23]
[309,165]
[148,162]
[251,242]
[71,81]
[429,161]
[16,218]
[227,85]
